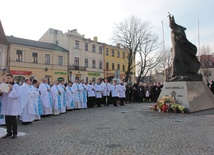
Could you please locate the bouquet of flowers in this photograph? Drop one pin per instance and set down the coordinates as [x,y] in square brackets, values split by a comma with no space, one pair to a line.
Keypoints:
[168,104]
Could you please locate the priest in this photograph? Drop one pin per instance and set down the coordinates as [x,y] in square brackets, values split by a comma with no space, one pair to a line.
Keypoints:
[27,103]
[46,97]
[69,96]
[11,107]
[76,88]
[56,97]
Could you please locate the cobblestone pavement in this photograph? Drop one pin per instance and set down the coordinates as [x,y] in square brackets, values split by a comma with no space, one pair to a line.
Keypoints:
[129,130]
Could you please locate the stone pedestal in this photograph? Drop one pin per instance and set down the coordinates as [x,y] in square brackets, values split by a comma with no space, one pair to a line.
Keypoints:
[194,95]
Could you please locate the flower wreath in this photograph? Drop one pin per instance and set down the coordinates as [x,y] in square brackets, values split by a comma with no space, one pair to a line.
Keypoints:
[168,104]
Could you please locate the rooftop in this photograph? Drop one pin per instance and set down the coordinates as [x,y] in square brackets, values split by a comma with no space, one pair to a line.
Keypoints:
[33,43]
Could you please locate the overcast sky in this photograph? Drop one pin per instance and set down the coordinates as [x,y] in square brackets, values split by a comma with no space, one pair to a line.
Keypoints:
[30,19]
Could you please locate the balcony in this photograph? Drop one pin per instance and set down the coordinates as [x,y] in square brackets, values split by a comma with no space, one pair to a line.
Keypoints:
[80,68]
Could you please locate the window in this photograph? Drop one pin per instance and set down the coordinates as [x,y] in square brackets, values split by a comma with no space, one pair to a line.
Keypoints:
[60,61]
[118,66]
[35,57]
[100,65]
[93,48]
[123,68]
[112,66]
[112,52]
[76,44]
[93,64]
[100,50]
[47,59]
[118,54]
[86,46]
[86,62]
[123,55]
[106,51]
[76,63]
[19,55]
[107,66]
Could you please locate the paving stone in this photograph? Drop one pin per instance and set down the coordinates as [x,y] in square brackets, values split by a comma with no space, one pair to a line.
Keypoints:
[129,130]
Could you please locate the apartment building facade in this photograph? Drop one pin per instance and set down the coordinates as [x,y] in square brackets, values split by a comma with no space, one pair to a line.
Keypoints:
[115,60]
[37,60]
[85,55]
[4,46]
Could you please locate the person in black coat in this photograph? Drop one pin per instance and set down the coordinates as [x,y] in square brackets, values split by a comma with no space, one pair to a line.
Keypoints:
[155,92]
[135,92]
[141,92]
[160,86]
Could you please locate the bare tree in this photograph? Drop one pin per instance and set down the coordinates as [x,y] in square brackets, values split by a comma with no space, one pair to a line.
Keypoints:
[149,56]
[206,62]
[165,66]
[131,34]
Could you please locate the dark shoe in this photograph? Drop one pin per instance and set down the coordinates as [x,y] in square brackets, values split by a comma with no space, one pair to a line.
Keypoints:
[6,136]
[26,123]
[14,136]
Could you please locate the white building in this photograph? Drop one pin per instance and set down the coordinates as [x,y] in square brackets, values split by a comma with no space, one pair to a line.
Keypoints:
[85,55]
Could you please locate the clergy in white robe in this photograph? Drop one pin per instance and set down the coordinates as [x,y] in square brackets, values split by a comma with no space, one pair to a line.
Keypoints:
[69,96]
[106,92]
[122,93]
[83,94]
[2,117]
[62,90]
[98,93]
[56,97]
[37,100]
[91,94]
[114,93]
[11,107]
[46,97]
[27,102]
[76,88]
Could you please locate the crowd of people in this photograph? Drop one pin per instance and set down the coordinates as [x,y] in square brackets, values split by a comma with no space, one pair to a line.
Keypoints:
[33,99]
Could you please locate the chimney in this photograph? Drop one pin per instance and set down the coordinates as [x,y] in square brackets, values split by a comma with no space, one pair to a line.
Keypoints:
[95,39]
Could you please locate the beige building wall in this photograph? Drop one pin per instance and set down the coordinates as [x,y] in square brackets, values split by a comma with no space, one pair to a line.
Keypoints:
[3,61]
[27,68]
[75,43]
[119,58]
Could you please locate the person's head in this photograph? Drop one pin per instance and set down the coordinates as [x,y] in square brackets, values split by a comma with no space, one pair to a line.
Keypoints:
[98,80]
[28,82]
[35,83]
[45,80]
[61,82]
[114,82]
[70,83]
[56,82]
[76,80]
[82,81]
[9,78]
[90,82]
[106,80]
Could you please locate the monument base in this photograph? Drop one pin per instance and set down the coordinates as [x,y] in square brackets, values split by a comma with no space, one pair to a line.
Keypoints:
[194,95]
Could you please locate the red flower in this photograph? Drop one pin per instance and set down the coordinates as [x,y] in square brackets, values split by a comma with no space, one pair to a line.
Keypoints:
[165,107]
